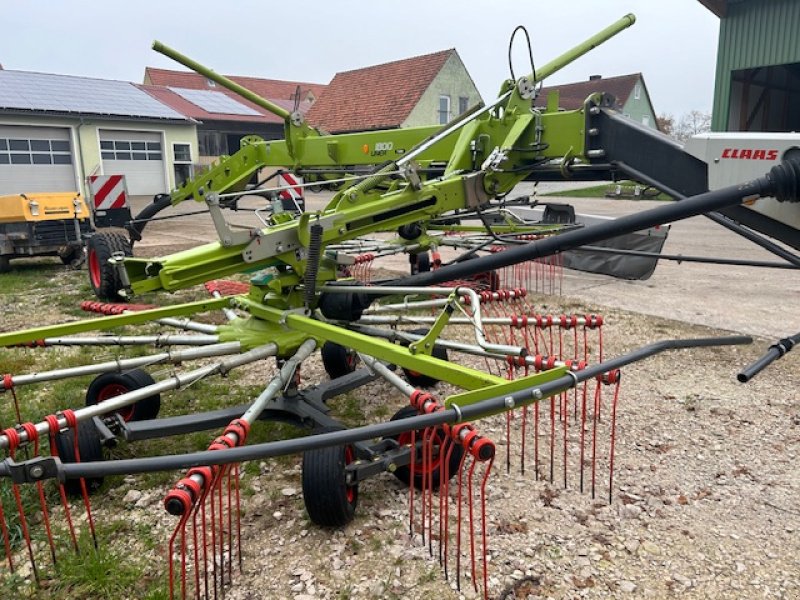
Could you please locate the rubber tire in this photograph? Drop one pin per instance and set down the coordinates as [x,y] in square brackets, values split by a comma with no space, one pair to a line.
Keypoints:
[404,473]
[102,276]
[329,501]
[338,360]
[143,410]
[420,263]
[5,264]
[490,278]
[419,380]
[91,450]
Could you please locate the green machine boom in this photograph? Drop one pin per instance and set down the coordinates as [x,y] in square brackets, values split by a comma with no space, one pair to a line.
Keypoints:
[487,151]
[300,296]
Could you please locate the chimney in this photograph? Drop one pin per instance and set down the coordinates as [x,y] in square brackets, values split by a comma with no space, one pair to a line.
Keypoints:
[595,77]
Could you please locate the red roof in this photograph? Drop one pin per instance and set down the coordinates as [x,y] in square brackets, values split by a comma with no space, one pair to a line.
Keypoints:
[159,81]
[271,89]
[189,109]
[377,97]
[573,95]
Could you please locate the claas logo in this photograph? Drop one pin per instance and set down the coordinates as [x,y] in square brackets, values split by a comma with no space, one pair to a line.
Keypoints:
[749,154]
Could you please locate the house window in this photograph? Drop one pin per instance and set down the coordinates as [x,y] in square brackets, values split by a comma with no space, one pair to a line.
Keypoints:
[463,104]
[444,109]
[211,143]
[130,150]
[183,168]
[637,91]
[182,153]
[34,152]
[646,120]
[211,83]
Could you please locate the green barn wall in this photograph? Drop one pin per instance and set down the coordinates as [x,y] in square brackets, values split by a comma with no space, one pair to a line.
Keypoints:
[755,33]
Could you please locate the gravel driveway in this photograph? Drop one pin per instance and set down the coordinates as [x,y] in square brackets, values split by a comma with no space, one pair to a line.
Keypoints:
[705,501]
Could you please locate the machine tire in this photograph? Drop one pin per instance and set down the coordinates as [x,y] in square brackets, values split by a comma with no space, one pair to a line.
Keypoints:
[489,280]
[330,502]
[5,264]
[338,360]
[420,263]
[108,385]
[418,379]
[102,276]
[71,255]
[91,450]
[404,473]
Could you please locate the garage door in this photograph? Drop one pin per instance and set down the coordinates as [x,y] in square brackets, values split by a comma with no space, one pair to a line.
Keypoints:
[136,154]
[35,159]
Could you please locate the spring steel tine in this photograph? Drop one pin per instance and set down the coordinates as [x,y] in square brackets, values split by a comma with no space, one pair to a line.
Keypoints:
[172,383]
[131,340]
[252,413]
[453,414]
[124,364]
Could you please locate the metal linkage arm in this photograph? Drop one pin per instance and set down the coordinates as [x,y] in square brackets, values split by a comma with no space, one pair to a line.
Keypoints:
[175,382]
[24,472]
[783,182]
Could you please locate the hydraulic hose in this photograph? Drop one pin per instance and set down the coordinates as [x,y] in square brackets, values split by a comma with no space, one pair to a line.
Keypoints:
[782,181]
[778,350]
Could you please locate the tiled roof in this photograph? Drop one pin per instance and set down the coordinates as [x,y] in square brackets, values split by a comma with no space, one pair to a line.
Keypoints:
[573,95]
[377,97]
[182,105]
[271,89]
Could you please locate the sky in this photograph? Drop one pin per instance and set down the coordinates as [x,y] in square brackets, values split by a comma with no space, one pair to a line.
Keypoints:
[673,44]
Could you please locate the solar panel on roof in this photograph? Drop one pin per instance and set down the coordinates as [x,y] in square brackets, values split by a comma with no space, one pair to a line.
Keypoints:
[215,102]
[68,94]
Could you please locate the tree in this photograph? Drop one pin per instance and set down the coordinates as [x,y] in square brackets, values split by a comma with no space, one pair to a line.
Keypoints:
[665,123]
[690,124]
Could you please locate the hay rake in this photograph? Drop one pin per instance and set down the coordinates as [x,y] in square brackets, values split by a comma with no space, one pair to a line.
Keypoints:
[468,322]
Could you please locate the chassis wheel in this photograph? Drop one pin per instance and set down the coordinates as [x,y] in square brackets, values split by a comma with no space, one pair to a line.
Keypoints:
[488,280]
[90,449]
[420,263]
[338,360]
[330,502]
[5,264]
[102,276]
[416,378]
[108,385]
[71,255]
[434,468]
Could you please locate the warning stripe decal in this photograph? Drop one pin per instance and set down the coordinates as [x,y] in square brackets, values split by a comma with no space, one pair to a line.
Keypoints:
[108,191]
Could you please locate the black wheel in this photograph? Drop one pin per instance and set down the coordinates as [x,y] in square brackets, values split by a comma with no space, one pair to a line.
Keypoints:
[432,470]
[90,449]
[108,385]
[488,280]
[420,263]
[416,378]
[102,276]
[338,360]
[5,264]
[71,255]
[330,502]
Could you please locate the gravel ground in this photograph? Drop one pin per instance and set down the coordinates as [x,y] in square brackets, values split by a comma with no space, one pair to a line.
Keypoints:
[704,501]
[704,498]
[703,504]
